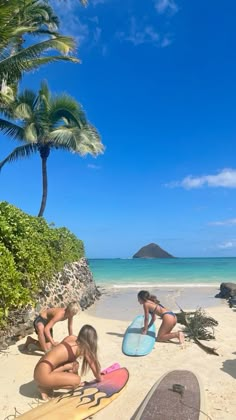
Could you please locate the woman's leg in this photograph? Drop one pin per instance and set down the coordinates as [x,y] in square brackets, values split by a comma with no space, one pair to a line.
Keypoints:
[65,380]
[31,340]
[165,334]
[71,367]
[43,345]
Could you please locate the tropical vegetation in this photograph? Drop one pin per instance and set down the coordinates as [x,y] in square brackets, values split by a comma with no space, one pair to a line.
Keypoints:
[31,251]
[48,122]
[20,21]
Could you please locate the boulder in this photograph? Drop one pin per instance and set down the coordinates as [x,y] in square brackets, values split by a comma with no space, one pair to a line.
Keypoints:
[227,290]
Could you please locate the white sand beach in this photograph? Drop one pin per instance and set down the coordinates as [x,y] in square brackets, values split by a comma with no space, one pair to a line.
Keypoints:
[217,373]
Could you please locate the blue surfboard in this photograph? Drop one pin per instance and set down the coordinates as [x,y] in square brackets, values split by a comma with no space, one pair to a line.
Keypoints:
[134,342]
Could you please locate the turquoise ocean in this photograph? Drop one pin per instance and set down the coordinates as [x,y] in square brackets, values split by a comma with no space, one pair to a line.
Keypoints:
[180,272]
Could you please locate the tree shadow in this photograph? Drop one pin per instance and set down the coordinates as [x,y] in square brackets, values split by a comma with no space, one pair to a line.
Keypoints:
[229,366]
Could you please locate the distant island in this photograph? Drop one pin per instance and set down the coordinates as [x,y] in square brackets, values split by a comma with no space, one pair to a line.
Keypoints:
[152,251]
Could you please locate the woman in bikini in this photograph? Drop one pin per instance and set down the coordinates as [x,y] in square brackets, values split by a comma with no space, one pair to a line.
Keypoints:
[152,306]
[59,369]
[44,323]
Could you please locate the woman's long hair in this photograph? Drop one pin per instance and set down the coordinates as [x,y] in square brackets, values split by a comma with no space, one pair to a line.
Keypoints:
[87,340]
[145,295]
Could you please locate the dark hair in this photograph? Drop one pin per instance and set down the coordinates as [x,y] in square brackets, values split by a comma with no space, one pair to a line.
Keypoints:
[87,339]
[145,295]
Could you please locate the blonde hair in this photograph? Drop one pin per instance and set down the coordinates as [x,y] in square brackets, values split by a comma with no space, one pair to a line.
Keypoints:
[73,308]
[87,340]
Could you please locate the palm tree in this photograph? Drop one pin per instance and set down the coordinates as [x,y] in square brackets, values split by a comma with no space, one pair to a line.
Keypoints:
[44,122]
[19,19]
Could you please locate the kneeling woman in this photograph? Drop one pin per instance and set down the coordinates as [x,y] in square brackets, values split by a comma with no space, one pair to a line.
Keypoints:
[152,306]
[59,369]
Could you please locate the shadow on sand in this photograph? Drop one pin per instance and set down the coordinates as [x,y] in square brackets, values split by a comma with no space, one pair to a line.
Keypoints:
[32,352]
[117,334]
[229,366]
[29,390]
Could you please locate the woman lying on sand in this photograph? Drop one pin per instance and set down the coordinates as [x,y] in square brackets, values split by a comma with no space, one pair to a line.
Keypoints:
[152,306]
[59,368]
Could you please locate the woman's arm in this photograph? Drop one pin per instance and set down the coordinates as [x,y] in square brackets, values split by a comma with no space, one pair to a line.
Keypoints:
[152,320]
[70,325]
[93,368]
[57,317]
[146,318]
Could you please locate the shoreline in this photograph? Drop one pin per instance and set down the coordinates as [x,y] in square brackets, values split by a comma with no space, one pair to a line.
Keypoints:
[122,303]
[217,373]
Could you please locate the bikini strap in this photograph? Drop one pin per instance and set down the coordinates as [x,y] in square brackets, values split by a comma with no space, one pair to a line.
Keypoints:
[71,356]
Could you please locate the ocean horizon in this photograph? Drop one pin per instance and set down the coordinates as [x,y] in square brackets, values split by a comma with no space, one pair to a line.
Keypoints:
[119,273]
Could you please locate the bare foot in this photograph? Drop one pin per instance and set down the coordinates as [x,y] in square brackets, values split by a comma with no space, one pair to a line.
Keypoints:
[29,341]
[46,394]
[181,337]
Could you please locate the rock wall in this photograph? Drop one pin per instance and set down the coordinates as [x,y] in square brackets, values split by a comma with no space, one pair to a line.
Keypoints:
[74,283]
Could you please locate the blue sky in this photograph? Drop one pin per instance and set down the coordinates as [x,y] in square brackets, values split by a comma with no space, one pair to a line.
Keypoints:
[158,81]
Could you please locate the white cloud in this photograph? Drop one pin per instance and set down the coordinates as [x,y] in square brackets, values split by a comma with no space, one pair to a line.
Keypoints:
[72,16]
[63,6]
[226,178]
[139,34]
[166,41]
[229,222]
[92,166]
[97,34]
[96,2]
[163,6]
[70,24]
[228,245]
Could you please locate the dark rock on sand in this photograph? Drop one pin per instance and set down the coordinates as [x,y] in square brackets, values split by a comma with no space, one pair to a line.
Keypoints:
[227,291]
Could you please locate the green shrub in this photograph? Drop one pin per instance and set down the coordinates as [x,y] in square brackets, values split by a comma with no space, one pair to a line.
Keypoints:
[30,252]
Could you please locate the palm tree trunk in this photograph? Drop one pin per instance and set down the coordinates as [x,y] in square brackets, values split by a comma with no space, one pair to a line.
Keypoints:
[44,153]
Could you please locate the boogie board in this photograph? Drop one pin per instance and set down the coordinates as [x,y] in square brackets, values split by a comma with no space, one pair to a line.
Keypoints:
[135,343]
[82,402]
[177,395]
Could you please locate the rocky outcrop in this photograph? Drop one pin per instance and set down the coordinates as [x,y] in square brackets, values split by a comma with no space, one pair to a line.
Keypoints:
[227,291]
[74,283]
[152,251]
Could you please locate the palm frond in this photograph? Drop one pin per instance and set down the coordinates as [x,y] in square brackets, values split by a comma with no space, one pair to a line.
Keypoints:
[44,97]
[19,153]
[19,17]
[89,141]
[67,108]
[31,134]
[28,97]
[12,130]
[83,141]
[28,58]
[62,138]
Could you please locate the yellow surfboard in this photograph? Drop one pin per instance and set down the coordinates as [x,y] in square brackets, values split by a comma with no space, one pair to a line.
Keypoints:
[84,401]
